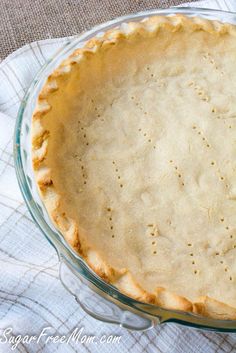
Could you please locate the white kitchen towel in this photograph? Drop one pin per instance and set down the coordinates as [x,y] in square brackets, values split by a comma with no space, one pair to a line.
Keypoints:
[31,295]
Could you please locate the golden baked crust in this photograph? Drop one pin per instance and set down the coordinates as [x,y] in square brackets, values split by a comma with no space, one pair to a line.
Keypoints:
[133,141]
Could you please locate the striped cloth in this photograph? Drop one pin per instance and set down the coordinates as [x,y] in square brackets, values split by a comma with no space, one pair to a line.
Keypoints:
[31,295]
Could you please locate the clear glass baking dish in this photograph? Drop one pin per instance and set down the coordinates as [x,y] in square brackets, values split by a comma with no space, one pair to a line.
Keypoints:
[99,299]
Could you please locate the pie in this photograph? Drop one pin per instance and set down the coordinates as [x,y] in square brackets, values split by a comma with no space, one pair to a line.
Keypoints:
[133,150]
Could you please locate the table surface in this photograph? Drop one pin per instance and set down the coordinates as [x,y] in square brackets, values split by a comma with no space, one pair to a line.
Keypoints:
[24,21]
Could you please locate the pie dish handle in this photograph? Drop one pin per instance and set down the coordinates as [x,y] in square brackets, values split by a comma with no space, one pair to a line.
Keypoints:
[96,305]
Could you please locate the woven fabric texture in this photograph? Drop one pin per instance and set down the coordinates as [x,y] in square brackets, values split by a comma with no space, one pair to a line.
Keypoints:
[24,21]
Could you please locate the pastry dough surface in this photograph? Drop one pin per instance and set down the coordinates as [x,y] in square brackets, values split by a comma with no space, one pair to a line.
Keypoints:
[141,151]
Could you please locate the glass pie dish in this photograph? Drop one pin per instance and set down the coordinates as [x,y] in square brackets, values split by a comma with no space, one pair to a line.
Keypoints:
[98,298]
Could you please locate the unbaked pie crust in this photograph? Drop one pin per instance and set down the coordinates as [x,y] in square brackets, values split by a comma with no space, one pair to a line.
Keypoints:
[133,148]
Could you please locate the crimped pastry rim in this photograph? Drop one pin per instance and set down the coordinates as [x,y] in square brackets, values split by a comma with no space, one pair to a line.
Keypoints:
[123,280]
